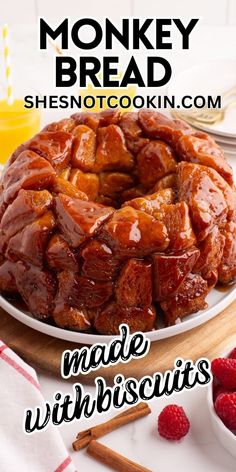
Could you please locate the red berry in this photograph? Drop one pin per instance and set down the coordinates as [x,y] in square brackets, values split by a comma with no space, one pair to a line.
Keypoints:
[225,407]
[173,423]
[218,390]
[225,371]
[233,354]
[215,382]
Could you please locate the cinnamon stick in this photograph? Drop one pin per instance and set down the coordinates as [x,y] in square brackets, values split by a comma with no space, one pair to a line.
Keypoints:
[111,458]
[131,414]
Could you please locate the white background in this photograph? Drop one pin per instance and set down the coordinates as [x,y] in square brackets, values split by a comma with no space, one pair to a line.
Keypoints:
[214,12]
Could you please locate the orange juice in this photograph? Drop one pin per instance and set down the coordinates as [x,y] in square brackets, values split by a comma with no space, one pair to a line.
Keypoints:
[17,124]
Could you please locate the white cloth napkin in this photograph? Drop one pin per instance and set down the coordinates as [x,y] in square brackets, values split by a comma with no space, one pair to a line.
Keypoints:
[42,451]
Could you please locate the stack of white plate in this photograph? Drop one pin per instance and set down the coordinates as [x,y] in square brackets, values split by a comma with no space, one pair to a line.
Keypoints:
[212,78]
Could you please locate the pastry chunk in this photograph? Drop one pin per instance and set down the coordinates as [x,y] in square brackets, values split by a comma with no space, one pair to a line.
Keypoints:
[84,148]
[190,298]
[158,126]
[113,315]
[66,124]
[30,243]
[114,183]
[65,314]
[155,160]
[95,120]
[169,181]
[206,152]
[7,277]
[28,171]
[170,271]
[24,209]
[133,132]
[132,232]
[86,182]
[179,227]
[99,262]
[60,256]
[67,188]
[134,284]
[79,220]
[54,146]
[205,199]
[112,153]
[37,288]
[227,267]
[152,204]
[211,252]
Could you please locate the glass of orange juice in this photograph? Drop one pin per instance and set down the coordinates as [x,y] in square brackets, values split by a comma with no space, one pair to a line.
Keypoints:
[17,124]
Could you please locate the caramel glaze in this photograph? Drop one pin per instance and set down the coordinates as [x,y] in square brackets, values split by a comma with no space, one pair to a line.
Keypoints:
[108,218]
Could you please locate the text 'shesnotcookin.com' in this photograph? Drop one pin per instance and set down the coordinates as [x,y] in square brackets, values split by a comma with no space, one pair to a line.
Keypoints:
[123,102]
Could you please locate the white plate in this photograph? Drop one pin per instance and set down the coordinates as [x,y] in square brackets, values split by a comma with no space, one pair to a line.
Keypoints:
[223,139]
[228,147]
[229,150]
[211,78]
[229,154]
[217,301]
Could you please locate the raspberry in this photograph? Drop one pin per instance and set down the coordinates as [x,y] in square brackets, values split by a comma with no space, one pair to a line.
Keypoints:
[218,390]
[225,371]
[173,423]
[233,354]
[225,407]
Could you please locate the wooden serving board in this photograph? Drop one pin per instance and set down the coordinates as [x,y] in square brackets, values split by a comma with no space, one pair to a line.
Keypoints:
[44,352]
